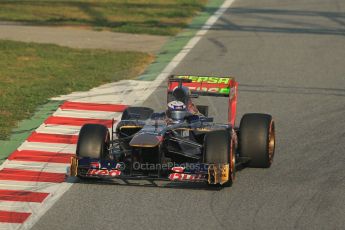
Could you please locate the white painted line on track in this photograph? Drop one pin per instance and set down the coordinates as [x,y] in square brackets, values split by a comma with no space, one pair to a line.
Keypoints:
[58,129]
[18,206]
[36,166]
[112,93]
[86,114]
[45,206]
[61,129]
[8,226]
[50,147]
[48,187]
[191,44]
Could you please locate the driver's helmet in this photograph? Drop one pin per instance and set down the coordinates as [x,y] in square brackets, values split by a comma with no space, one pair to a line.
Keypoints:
[177,110]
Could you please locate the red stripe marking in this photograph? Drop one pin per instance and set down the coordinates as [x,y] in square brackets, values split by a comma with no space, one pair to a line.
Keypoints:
[41,156]
[93,106]
[76,121]
[28,175]
[24,196]
[13,217]
[53,138]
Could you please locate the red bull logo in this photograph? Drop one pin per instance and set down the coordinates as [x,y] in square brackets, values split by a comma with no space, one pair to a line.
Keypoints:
[104,172]
[186,177]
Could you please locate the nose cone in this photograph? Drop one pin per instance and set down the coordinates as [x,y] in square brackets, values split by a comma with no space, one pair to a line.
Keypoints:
[145,140]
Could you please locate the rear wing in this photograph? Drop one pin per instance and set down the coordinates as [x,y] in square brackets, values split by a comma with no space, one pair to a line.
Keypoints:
[209,86]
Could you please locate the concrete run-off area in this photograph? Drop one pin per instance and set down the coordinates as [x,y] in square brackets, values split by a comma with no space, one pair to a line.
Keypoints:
[82,38]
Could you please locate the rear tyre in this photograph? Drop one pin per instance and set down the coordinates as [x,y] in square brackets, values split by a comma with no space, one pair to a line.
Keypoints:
[257,139]
[93,141]
[219,149]
[137,113]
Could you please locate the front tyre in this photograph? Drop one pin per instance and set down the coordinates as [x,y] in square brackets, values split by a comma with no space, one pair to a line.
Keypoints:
[257,139]
[93,141]
[219,149]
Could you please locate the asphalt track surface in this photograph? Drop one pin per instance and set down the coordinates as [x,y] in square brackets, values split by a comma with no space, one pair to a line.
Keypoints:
[289,59]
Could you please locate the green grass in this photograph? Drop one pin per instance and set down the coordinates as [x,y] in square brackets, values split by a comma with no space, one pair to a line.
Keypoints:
[30,74]
[163,17]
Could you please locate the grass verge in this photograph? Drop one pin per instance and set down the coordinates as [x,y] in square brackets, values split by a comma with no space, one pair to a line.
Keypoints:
[162,17]
[30,74]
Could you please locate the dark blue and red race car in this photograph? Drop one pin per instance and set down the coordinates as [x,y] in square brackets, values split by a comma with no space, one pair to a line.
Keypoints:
[181,143]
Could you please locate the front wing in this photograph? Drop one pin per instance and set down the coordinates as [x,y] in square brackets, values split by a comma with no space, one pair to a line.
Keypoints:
[93,168]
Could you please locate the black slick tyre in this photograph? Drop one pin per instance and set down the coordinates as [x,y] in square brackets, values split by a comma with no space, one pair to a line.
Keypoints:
[257,139]
[93,141]
[218,149]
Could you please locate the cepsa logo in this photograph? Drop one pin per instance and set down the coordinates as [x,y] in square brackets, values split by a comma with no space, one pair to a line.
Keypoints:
[216,84]
[212,80]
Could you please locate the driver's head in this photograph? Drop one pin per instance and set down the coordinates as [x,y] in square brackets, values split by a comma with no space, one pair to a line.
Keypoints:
[177,110]
[181,94]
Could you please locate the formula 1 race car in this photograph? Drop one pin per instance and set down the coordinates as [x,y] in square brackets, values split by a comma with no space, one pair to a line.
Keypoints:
[179,144]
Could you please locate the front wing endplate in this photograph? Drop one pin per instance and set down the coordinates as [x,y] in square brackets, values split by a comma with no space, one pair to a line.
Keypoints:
[218,173]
